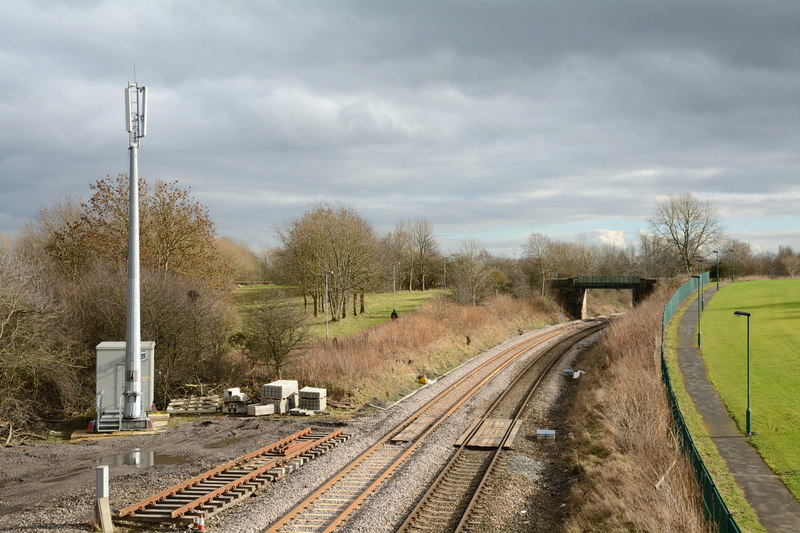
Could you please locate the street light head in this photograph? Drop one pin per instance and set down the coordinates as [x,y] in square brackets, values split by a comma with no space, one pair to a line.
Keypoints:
[696,277]
[329,272]
[741,313]
[714,251]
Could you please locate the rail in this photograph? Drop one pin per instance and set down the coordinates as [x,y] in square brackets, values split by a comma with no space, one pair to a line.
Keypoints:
[451,501]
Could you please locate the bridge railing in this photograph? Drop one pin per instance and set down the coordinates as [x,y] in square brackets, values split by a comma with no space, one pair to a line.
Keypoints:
[713,504]
[607,281]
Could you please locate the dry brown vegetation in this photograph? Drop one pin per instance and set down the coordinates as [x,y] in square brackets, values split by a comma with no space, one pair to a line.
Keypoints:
[634,476]
[385,361]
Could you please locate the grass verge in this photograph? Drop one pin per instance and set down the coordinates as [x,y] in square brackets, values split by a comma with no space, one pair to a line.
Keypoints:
[384,362]
[633,473]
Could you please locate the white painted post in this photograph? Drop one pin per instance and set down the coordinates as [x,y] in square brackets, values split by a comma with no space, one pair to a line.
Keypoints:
[101,478]
[102,509]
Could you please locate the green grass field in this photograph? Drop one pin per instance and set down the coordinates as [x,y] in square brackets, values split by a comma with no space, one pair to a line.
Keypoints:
[774,366]
[378,309]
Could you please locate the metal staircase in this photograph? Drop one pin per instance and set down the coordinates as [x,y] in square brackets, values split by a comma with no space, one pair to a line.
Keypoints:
[110,420]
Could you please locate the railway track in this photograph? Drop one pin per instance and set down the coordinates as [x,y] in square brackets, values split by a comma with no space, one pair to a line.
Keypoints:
[333,502]
[449,504]
[219,488]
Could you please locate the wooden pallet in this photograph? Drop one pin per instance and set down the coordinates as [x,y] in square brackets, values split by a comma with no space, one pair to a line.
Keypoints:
[194,405]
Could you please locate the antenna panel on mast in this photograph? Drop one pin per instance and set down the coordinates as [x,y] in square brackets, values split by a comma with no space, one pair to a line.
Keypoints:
[128,117]
[143,113]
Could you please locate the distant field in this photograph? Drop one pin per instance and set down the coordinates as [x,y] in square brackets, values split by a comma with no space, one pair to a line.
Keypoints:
[378,309]
[774,366]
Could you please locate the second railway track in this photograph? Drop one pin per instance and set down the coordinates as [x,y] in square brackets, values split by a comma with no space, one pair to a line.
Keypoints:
[450,502]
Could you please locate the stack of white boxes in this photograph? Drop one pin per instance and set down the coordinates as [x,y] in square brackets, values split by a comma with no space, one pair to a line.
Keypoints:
[281,394]
[235,401]
[313,399]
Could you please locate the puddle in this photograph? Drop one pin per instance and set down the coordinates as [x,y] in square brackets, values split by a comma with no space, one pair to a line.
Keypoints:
[224,442]
[141,459]
[137,458]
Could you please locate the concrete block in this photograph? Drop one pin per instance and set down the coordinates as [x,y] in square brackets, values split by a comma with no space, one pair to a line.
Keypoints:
[293,400]
[229,393]
[283,388]
[236,408]
[313,404]
[311,392]
[260,410]
[279,406]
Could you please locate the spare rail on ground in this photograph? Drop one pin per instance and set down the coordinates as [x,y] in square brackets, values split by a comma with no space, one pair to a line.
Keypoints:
[223,486]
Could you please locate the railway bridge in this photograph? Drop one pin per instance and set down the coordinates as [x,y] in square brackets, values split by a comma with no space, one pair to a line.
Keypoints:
[571,292]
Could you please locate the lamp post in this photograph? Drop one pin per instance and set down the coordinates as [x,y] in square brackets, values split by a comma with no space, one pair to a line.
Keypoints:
[394,284]
[733,265]
[326,302]
[747,419]
[702,299]
[698,313]
[717,252]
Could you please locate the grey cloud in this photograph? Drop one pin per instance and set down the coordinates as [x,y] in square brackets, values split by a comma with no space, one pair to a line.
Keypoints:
[485,117]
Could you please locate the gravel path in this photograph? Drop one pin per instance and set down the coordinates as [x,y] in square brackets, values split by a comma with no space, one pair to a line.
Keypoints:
[50,486]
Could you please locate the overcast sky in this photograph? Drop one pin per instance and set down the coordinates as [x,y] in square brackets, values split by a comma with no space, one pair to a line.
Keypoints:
[492,119]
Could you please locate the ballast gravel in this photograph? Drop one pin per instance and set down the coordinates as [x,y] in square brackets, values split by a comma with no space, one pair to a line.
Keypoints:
[50,486]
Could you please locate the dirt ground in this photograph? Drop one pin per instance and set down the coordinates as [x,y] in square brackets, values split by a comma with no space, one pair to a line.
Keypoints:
[42,483]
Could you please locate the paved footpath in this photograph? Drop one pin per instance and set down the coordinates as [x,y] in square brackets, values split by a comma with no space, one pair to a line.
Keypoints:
[776,508]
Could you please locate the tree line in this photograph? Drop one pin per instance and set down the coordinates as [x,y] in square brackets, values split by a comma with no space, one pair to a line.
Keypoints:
[63,284]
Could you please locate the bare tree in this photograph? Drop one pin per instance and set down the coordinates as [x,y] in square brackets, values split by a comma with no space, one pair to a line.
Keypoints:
[537,249]
[36,377]
[328,238]
[425,246]
[176,232]
[276,331]
[241,260]
[688,225]
[470,273]
[656,257]
[789,261]
[189,321]
[400,247]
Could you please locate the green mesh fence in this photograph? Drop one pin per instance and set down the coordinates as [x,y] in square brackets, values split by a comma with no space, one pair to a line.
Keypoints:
[714,505]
